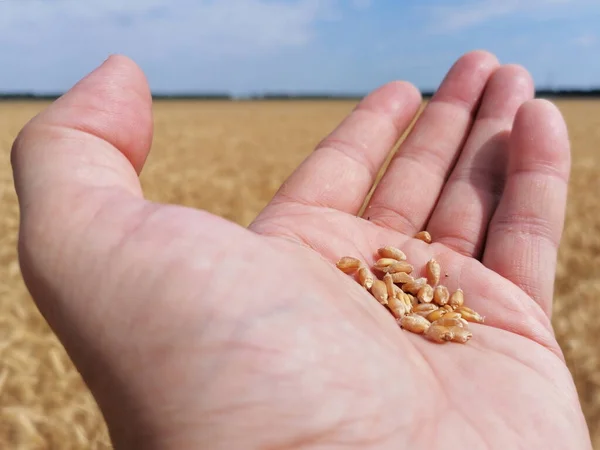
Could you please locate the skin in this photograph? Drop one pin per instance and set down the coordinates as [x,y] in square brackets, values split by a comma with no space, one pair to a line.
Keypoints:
[193,332]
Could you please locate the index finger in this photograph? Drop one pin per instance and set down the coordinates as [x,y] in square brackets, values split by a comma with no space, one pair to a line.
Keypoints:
[343,167]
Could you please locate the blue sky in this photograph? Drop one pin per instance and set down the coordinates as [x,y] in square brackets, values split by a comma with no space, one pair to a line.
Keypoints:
[248,46]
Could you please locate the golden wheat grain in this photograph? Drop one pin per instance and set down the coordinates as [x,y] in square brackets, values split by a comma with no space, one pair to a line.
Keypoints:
[348,264]
[379,291]
[409,300]
[415,323]
[441,295]
[413,287]
[425,307]
[460,335]
[391,252]
[435,315]
[423,236]
[396,306]
[448,322]
[433,272]
[452,315]
[398,267]
[365,278]
[402,277]
[439,334]
[425,294]
[469,315]
[389,285]
[382,263]
[457,299]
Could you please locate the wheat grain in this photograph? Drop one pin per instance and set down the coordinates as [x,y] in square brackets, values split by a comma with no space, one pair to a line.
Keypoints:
[398,267]
[441,295]
[448,322]
[382,263]
[391,252]
[389,285]
[424,236]
[379,291]
[439,334]
[452,315]
[365,278]
[413,287]
[414,301]
[469,315]
[415,323]
[397,307]
[433,272]
[461,335]
[435,315]
[348,264]
[457,299]
[425,294]
[402,277]
[425,307]
[408,300]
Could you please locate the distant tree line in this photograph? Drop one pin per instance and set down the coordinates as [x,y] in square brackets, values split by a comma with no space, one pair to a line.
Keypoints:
[554,93]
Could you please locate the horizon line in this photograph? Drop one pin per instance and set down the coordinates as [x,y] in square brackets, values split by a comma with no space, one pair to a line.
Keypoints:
[275,95]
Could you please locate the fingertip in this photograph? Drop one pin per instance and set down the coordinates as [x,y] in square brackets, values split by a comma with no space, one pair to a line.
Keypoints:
[465,81]
[540,139]
[404,88]
[541,110]
[519,75]
[508,88]
[477,61]
[517,69]
[481,55]
[392,99]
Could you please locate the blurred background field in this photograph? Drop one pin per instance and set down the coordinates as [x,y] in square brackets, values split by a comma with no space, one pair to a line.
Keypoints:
[229,158]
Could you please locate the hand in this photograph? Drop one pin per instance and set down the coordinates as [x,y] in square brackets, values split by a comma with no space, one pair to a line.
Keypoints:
[194,332]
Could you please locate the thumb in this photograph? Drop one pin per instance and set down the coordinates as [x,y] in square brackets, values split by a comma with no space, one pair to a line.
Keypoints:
[75,167]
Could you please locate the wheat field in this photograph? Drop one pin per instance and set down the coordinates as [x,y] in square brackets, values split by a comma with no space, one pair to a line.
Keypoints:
[229,158]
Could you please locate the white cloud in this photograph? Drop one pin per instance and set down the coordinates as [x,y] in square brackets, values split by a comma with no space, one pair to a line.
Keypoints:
[361,4]
[233,26]
[50,44]
[447,19]
[451,19]
[586,40]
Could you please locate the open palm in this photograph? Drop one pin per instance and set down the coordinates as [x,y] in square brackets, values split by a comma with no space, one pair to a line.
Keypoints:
[194,332]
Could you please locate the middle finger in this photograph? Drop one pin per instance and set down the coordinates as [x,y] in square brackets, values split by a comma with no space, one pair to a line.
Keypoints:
[470,196]
[409,189]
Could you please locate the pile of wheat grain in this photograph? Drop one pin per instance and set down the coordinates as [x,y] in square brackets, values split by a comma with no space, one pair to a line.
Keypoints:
[420,305]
